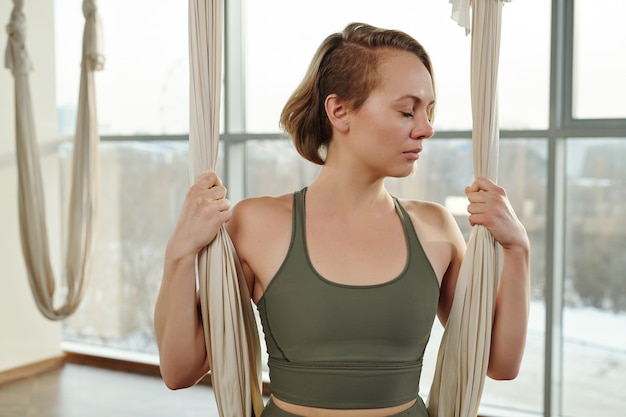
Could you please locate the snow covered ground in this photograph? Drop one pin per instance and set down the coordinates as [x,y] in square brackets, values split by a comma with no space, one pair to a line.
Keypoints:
[593,367]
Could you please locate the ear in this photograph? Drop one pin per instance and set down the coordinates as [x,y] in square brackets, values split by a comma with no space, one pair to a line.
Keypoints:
[337,112]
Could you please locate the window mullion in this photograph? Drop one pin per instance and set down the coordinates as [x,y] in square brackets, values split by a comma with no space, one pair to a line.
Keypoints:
[234,98]
[560,114]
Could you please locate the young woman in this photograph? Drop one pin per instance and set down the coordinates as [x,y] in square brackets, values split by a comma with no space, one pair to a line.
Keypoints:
[347,278]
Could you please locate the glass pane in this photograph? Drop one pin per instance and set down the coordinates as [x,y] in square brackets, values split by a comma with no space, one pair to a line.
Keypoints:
[594,318]
[524,74]
[143,185]
[144,87]
[280,45]
[274,167]
[599,84]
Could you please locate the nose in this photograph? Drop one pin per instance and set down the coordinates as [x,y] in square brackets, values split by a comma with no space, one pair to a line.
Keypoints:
[423,128]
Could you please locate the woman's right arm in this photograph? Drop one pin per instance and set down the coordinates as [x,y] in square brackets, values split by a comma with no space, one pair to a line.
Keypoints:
[177,323]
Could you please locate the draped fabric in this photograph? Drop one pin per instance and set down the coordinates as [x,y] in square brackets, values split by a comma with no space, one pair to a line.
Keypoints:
[230,329]
[461,13]
[83,200]
[464,351]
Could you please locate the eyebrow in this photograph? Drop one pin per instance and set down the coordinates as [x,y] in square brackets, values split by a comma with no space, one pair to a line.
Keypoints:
[416,99]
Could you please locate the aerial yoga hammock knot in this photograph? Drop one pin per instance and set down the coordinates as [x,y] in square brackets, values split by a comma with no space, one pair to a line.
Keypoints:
[93,43]
[16,57]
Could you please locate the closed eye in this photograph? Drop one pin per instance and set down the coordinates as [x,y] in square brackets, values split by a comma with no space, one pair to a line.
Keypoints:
[408,114]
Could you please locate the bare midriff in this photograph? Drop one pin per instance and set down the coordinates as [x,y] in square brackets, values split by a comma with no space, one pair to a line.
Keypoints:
[307,411]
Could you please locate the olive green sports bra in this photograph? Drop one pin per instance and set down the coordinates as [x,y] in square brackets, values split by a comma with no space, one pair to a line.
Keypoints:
[343,346]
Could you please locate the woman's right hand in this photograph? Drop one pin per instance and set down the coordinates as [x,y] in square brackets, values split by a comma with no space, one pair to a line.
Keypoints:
[177,325]
[204,211]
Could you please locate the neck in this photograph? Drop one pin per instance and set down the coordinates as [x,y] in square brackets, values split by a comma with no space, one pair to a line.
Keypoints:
[344,190]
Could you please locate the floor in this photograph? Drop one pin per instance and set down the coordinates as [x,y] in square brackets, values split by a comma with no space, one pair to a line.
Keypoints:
[85,391]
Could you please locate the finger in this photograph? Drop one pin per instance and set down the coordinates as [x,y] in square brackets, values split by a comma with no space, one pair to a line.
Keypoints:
[475,219]
[476,197]
[217,192]
[208,180]
[208,186]
[473,188]
[221,212]
[482,184]
[476,208]
[224,216]
[485,183]
[221,205]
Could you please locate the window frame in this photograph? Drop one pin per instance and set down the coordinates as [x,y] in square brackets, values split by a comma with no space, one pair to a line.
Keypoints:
[562,126]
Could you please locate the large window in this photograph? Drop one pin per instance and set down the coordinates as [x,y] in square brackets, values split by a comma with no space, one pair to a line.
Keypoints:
[563,143]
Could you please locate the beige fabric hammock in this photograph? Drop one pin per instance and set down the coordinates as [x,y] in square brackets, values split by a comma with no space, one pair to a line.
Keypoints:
[83,200]
[230,330]
[229,325]
[464,351]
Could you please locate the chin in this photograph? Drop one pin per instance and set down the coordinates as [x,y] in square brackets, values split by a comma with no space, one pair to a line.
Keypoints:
[404,174]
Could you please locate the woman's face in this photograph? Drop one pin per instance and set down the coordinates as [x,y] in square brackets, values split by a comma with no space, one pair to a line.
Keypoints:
[387,132]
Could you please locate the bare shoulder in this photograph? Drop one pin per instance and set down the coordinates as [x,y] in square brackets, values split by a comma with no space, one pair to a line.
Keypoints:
[260,229]
[439,235]
[258,208]
[428,213]
[254,216]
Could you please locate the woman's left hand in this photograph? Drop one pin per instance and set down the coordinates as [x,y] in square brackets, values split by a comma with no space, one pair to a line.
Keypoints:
[490,207]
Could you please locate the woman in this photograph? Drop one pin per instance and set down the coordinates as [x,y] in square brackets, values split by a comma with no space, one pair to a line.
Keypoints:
[347,278]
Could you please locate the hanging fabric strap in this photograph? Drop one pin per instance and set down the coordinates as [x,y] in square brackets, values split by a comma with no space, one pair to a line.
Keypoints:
[464,351]
[230,330]
[83,200]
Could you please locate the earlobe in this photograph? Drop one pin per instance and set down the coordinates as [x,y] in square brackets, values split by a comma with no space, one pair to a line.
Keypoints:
[337,113]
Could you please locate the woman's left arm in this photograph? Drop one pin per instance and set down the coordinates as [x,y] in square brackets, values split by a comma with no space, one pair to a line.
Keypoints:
[490,207]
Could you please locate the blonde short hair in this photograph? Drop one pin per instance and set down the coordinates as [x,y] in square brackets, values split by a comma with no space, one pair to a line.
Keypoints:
[345,64]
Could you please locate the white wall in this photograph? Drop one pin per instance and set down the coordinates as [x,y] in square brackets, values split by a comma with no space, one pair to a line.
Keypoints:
[25,335]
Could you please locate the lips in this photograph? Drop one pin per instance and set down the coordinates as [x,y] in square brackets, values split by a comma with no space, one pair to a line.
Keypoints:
[412,154]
